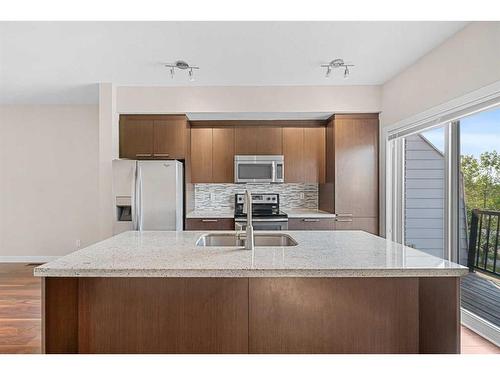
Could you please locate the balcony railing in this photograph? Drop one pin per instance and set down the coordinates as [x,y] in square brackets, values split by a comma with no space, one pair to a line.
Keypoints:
[483,242]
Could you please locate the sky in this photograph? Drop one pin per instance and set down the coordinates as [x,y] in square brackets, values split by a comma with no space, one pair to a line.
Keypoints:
[478,133]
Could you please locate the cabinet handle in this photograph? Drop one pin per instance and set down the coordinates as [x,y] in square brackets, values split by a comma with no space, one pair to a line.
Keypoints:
[311,220]
[209,220]
[143,155]
[344,220]
[343,215]
[162,155]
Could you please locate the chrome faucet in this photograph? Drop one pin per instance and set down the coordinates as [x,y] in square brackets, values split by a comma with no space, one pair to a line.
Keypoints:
[247,206]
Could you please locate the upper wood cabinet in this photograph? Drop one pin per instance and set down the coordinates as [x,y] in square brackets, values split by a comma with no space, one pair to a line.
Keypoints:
[356,166]
[258,140]
[304,153]
[212,155]
[201,155]
[171,137]
[154,136]
[293,152]
[136,138]
[314,154]
[223,155]
[351,183]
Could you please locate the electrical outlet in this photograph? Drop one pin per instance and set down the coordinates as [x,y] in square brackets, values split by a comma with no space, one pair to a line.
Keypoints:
[78,244]
[302,195]
[212,197]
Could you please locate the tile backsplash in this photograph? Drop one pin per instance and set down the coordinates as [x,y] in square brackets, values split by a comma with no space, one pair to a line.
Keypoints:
[221,196]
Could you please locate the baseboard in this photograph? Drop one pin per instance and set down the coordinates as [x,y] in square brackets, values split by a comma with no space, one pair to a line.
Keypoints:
[482,327]
[27,259]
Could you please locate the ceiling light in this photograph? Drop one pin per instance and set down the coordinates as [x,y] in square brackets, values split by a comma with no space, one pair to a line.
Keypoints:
[182,65]
[336,63]
[328,71]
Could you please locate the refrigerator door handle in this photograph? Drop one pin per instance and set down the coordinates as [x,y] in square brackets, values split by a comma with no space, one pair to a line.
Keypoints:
[137,197]
[139,201]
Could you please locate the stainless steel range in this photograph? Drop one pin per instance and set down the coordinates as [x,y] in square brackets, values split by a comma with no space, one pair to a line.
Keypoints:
[265,210]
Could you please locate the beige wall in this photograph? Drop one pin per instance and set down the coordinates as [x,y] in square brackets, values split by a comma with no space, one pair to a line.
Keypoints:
[132,99]
[467,61]
[48,179]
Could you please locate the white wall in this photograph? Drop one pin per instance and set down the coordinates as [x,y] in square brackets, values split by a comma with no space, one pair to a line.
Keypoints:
[467,61]
[135,99]
[49,188]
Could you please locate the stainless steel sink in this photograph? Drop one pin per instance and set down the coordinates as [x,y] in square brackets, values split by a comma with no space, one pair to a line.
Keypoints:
[232,239]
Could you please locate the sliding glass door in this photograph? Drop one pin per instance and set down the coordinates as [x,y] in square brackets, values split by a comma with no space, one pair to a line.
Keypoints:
[424,191]
[443,198]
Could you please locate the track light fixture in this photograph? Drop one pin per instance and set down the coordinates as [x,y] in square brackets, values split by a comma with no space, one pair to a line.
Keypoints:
[182,65]
[337,63]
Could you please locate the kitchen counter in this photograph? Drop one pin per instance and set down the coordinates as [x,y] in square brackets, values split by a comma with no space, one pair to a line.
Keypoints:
[335,292]
[307,213]
[291,212]
[318,254]
[211,214]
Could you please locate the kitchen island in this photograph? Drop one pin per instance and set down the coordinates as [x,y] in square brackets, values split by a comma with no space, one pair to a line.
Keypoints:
[334,292]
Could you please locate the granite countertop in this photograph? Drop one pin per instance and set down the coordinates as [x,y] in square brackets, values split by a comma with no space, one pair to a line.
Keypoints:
[307,213]
[229,213]
[211,214]
[318,254]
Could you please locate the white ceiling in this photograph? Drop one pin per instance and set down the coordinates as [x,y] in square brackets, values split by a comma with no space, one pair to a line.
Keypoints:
[61,62]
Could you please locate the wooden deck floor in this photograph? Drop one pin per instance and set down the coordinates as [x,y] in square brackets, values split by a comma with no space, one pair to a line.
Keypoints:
[20,314]
[481,296]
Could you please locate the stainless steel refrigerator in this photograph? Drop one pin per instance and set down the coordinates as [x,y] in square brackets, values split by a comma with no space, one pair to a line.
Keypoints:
[156,193]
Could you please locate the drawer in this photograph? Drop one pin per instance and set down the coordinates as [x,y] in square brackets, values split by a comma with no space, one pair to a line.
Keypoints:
[368,224]
[311,224]
[210,224]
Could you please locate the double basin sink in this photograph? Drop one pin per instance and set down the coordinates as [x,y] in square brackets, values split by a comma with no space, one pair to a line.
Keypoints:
[233,239]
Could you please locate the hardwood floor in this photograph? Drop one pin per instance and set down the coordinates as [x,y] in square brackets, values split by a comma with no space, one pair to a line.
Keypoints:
[20,314]
[472,343]
[20,309]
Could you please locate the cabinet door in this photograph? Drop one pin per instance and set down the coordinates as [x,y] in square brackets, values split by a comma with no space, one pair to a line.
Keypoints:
[170,137]
[311,224]
[293,151]
[223,155]
[245,141]
[209,224]
[269,141]
[136,138]
[356,166]
[258,140]
[314,155]
[368,224]
[201,155]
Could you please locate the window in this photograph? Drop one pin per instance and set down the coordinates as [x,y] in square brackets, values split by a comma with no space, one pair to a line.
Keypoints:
[443,198]
[424,191]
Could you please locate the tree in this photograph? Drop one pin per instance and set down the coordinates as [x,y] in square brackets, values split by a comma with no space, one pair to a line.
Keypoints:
[482,181]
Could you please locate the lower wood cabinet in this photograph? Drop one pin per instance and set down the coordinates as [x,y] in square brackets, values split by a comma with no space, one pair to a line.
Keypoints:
[338,315]
[368,224]
[210,224]
[311,224]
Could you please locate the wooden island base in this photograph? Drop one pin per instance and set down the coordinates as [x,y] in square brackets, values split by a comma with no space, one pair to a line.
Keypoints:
[251,315]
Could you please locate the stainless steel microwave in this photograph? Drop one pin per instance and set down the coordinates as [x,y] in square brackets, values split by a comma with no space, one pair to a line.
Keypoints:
[259,168]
